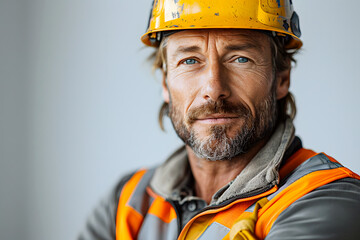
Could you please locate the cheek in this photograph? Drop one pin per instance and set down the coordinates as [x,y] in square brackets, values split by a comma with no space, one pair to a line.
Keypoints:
[259,83]
[254,82]
[183,89]
[181,81]
[251,86]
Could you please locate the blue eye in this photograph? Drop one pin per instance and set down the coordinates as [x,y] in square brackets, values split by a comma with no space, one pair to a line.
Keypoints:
[190,61]
[242,60]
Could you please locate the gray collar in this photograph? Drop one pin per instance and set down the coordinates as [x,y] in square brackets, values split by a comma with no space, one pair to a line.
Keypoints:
[262,171]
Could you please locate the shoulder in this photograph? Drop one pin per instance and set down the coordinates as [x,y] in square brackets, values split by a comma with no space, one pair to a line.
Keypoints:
[115,193]
[328,211]
[101,222]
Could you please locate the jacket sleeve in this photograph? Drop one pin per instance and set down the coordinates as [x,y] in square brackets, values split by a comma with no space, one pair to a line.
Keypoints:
[329,212]
[100,225]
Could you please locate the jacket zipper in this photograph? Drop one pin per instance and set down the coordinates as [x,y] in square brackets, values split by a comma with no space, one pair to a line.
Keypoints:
[242,196]
[174,204]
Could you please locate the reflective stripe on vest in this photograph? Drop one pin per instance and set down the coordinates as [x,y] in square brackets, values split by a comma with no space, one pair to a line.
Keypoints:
[142,214]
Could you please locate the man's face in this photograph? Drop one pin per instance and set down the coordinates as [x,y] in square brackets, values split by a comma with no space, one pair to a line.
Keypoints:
[221,90]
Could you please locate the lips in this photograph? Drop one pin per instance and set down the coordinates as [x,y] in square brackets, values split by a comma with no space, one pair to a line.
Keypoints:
[217,119]
[217,116]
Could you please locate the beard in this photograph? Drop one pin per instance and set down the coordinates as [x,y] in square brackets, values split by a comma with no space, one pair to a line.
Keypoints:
[218,145]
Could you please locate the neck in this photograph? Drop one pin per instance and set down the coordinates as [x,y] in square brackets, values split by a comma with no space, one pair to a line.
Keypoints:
[210,176]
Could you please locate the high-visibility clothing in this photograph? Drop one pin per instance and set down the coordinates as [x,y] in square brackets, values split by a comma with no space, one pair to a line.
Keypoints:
[143,214]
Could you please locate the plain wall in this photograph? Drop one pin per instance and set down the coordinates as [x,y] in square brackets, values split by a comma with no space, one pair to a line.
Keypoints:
[79,103]
[14,96]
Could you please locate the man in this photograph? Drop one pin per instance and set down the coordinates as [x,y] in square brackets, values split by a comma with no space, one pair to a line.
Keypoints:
[242,173]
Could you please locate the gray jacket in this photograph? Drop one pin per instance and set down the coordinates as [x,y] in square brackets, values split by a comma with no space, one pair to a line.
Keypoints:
[328,212]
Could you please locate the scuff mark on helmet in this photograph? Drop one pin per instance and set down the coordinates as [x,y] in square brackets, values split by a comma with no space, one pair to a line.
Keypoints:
[175,15]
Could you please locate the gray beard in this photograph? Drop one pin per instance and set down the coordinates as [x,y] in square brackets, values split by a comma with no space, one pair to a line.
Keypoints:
[217,145]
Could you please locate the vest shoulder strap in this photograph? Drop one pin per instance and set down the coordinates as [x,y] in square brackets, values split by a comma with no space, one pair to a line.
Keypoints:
[312,173]
[131,202]
[142,214]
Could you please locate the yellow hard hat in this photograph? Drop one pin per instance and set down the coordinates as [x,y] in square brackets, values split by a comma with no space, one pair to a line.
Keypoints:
[277,16]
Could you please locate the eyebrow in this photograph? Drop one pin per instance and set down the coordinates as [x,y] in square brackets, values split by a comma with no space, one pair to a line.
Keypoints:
[182,49]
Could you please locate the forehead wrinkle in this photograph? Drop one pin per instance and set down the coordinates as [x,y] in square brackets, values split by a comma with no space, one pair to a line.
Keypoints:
[183,46]
[248,39]
[195,45]
[213,43]
[241,47]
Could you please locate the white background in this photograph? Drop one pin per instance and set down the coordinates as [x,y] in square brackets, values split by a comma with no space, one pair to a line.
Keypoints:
[78,103]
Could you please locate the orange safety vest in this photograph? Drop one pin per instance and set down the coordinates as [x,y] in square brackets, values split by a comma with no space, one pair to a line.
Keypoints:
[142,214]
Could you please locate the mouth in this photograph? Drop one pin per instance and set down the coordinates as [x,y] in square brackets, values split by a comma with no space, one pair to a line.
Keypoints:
[217,119]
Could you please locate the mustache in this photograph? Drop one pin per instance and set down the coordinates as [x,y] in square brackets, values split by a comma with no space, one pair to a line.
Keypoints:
[217,107]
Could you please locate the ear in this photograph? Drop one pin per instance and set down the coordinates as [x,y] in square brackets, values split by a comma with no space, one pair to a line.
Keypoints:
[283,83]
[165,90]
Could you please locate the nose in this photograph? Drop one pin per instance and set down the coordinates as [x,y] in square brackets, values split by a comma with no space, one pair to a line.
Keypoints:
[215,82]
